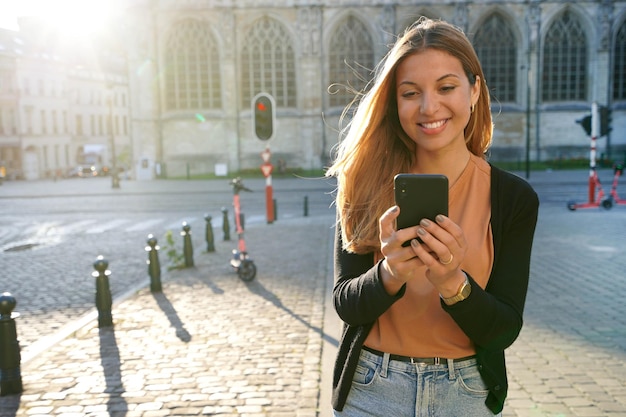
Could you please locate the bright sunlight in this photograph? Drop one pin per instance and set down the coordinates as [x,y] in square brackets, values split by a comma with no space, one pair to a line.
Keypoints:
[74,18]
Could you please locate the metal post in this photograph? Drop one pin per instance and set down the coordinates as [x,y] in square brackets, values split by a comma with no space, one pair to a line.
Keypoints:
[225,223]
[208,234]
[306,205]
[275,206]
[269,201]
[115,179]
[592,154]
[10,374]
[267,169]
[103,292]
[187,245]
[154,265]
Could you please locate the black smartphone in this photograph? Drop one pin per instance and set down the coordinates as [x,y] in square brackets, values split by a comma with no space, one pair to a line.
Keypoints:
[420,196]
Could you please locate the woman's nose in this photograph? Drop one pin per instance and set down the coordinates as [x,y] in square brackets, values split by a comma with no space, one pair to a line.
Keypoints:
[429,104]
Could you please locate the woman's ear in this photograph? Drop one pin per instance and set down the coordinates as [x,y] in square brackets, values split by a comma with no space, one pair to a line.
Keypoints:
[475,94]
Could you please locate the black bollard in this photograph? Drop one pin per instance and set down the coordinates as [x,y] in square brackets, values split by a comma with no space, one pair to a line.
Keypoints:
[225,224]
[208,234]
[103,292]
[306,206]
[10,375]
[154,266]
[187,245]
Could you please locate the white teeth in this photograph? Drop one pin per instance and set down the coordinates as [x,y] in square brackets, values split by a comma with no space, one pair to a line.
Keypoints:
[433,125]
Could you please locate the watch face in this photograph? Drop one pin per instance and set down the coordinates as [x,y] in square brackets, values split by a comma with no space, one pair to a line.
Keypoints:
[466,290]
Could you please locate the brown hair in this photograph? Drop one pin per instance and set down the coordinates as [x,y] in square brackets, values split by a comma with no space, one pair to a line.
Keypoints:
[375,147]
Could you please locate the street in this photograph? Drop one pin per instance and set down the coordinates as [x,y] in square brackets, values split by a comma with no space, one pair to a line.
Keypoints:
[52,232]
[210,344]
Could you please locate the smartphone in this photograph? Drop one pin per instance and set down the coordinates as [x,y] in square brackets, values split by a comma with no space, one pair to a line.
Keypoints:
[420,196]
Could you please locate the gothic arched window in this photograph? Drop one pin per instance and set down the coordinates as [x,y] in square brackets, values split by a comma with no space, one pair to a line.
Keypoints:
[619,64]
[351,61]
[192,79]
[497,50]
[268,64]
[565,60]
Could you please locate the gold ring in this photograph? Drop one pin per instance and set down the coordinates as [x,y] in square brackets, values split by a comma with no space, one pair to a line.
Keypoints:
[448,262]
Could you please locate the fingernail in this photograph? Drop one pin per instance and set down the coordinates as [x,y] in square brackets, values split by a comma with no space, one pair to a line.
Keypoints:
[415,243]
[425,222]
[440,218]
[421,231]
[394,209]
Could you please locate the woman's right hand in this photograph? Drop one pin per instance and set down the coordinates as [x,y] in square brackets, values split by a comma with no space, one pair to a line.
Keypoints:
[400,263]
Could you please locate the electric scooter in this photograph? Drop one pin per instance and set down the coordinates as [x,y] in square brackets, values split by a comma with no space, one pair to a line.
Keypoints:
[246,270]
[618,171]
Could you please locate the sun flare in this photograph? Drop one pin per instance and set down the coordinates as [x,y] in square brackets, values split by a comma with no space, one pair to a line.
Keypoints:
[74,17]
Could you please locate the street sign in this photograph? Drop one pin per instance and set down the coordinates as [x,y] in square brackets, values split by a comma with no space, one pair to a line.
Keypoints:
[267,169]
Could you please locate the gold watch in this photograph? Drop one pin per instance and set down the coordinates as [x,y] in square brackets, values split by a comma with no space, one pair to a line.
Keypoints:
[464,292]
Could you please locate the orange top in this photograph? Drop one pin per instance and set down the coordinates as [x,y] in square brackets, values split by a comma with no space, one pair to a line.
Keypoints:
[416,324]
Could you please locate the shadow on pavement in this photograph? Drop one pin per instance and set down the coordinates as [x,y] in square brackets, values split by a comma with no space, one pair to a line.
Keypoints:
[111,362]
[9,405]
[172,316]
[257,288]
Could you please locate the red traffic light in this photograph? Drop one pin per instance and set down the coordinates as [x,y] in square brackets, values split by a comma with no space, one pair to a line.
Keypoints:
[263,116]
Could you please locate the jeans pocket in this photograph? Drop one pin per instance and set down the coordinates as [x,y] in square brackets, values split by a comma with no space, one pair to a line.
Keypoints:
[364,373]
[472,382]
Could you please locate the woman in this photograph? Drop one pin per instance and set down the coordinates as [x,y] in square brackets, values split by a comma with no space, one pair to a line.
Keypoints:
[426,325]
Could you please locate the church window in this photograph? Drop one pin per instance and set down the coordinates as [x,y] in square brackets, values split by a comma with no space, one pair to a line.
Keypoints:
[565,60]
[496,47]
[192,73]
[268,64]
[351,61]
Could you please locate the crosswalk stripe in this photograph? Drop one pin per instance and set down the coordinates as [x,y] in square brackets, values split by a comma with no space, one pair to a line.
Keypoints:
[103,227]
[179,224]
[75,227]
[146,224]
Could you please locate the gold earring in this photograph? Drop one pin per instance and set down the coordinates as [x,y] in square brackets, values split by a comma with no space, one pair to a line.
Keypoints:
[472,108]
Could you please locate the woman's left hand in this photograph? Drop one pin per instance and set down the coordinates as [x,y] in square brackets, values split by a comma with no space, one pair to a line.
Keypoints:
[442,252]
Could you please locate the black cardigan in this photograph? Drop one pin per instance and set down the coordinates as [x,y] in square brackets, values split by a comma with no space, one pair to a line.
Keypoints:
[492,318]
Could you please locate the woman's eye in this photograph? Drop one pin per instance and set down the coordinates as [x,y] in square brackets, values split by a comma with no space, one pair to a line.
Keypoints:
[447,88]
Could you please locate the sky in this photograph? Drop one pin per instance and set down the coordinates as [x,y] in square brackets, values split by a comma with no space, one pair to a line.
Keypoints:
[73,16]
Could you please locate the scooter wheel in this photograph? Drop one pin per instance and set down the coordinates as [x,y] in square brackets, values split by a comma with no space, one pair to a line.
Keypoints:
[607,204]
[247,270]
[571,205]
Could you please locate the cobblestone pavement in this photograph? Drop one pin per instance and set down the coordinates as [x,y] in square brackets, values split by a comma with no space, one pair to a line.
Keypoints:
[210,344]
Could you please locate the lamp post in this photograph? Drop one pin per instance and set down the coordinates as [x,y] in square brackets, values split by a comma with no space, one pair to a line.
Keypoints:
[115,181]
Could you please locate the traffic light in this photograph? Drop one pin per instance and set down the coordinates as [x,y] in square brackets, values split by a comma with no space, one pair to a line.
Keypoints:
[263,110]
[606,118]
[585,122]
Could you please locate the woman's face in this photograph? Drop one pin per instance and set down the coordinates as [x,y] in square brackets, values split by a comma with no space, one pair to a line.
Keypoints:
[434,99]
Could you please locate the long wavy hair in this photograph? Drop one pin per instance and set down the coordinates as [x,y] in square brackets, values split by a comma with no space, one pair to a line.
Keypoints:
[375,148]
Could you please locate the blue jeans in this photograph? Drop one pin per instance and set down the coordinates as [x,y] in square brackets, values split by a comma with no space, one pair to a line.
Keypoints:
[389,388]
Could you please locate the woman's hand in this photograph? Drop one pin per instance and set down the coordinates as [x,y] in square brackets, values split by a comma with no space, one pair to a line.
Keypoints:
[442,251]
[400,263]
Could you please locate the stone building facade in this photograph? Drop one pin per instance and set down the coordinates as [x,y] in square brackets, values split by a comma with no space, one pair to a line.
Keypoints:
[195,65]
[186,71]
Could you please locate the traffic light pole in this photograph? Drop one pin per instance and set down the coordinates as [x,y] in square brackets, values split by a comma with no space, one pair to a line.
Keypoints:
[593,175]
[263,125]
[596,124]
[594,182]
[267,169]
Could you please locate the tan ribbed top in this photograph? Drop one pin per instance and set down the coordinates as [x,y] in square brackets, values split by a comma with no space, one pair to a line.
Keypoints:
[416,325]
